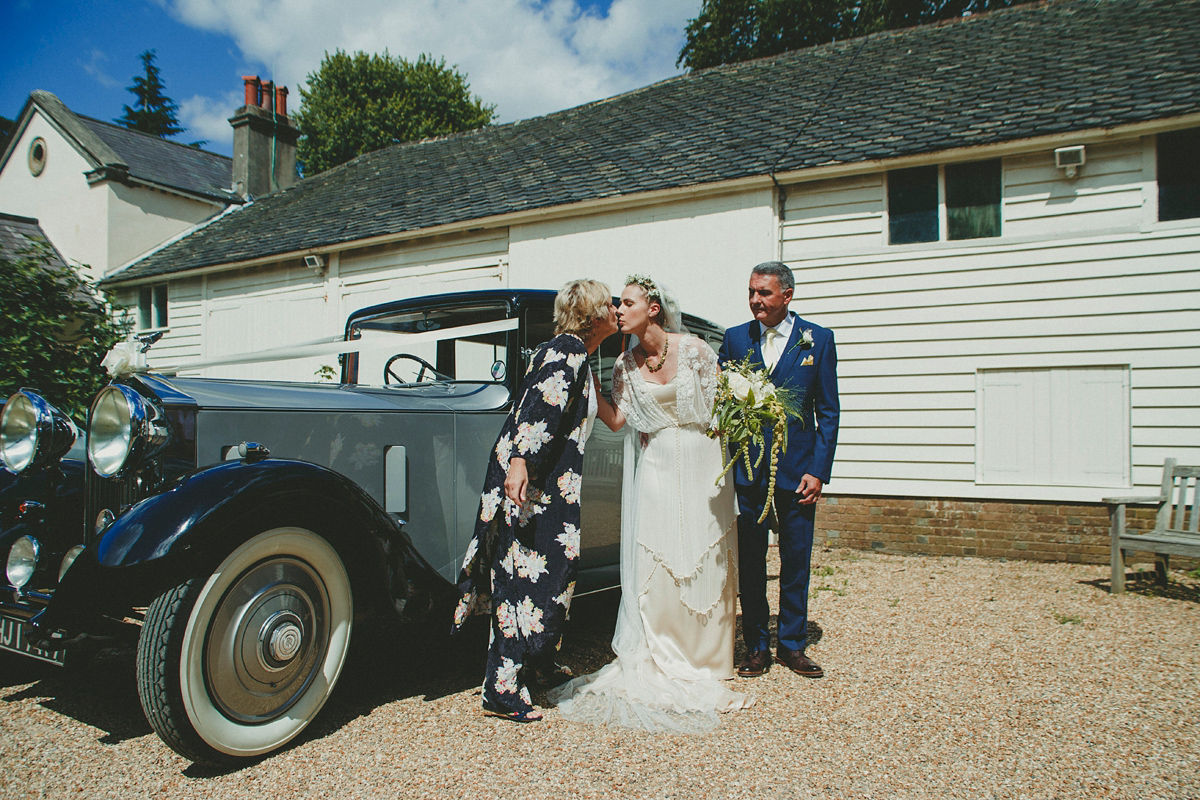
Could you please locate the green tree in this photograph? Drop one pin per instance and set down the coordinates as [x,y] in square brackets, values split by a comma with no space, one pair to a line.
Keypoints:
[729,31]
[7,126]
[54,331]
[358,103]
[153,112]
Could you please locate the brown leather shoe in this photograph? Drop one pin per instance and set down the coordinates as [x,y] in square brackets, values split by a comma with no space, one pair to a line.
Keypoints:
[797,662]
[755,664]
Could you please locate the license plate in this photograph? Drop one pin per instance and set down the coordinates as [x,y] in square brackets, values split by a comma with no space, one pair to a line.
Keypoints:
[14,636]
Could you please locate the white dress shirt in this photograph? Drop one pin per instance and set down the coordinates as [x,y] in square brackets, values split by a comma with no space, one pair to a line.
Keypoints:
[773,347]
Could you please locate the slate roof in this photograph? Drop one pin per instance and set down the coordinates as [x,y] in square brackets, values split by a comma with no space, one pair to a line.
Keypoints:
[166,163]
[17,234]
[1054,67]
[121,151]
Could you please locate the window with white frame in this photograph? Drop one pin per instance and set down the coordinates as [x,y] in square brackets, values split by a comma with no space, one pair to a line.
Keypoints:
[944,203]
[1057,427]
[152,307]
[1179,174]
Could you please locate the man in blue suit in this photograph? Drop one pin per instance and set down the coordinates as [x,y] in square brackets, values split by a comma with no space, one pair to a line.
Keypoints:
[799,356]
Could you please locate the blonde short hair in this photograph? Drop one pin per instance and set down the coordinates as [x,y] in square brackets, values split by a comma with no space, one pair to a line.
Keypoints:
[579,304]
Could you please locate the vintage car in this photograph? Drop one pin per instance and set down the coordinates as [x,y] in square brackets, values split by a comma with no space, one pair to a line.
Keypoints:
[252,525]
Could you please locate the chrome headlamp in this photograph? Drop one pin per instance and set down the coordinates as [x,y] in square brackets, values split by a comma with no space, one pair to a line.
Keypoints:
[68,560]
[124,429]
[22,561]
[33,432]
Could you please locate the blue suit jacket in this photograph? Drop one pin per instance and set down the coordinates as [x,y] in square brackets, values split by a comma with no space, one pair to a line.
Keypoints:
[811,374]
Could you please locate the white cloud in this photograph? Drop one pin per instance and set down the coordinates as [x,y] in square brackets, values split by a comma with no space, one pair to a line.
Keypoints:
[94,66]
[528,57]
[207,118]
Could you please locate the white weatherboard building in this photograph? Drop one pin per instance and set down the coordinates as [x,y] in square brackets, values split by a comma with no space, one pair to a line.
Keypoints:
[999,217]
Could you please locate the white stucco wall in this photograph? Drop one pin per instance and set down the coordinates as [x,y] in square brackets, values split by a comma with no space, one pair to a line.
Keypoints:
[141,218]
[702,248]
[102,226]
[72,216]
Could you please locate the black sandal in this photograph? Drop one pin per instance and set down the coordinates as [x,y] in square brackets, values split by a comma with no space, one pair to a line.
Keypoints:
[532,715]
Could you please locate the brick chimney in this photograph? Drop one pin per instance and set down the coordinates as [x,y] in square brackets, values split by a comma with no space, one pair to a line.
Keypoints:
[264,140]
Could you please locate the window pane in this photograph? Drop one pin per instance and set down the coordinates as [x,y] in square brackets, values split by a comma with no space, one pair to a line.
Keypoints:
[1179,174]
[973,199]
[913,205]
[145,308]
[458,356]
[160,306]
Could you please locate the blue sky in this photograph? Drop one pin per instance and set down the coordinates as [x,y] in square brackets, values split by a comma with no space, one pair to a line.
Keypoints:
[528,57]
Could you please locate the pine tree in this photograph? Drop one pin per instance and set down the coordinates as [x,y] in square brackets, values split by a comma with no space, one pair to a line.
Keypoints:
[6,131]
[153,112]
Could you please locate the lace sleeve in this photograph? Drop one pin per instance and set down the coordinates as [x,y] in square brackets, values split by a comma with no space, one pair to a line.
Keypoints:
[620,398]
[697,387]
[706,370]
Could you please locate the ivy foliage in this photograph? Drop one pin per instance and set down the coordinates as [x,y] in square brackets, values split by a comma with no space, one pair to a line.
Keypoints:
[54,331]
[731,31]
[354,104]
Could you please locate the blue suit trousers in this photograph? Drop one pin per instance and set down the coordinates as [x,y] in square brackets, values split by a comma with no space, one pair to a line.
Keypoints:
[795,555]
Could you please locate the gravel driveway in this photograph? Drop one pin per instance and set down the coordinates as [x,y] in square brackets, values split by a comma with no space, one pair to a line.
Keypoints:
[945,677]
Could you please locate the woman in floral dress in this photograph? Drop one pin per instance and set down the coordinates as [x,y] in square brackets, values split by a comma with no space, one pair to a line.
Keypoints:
[520,566]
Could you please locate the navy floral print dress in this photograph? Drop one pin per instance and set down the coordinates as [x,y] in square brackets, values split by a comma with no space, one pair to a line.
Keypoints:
[520,566]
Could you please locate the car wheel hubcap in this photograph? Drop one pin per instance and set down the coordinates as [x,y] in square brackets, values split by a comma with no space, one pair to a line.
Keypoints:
[282,638]
[272,628]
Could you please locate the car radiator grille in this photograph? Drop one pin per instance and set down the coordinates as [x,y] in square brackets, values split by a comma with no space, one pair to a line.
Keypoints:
[114,494]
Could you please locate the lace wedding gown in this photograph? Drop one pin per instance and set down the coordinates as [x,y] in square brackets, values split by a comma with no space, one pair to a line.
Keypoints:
[675,626]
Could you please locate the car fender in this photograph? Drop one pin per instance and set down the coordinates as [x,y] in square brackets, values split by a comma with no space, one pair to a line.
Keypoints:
[185,531]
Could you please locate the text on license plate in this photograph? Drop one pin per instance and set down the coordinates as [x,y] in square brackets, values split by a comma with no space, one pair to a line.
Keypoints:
[14,637]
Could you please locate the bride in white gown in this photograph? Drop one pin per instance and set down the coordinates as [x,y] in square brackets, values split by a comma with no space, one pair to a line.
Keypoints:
[675,626]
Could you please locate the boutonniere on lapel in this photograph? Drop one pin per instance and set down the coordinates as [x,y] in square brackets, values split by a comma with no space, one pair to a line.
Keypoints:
[805,342]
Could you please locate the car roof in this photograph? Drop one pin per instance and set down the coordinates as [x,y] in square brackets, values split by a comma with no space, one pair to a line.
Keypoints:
[515,297]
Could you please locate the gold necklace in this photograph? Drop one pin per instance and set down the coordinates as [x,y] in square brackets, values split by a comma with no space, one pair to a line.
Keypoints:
[661,359]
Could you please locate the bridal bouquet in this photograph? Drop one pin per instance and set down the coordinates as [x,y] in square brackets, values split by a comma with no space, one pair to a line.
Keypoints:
[747,405]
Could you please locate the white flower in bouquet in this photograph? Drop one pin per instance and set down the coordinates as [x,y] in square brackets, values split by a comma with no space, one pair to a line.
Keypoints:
[753,389]
[747,406]
[764,390]
[739,384]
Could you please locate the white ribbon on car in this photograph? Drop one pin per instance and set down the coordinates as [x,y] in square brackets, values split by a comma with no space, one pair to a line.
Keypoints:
[391,341]
[125,358]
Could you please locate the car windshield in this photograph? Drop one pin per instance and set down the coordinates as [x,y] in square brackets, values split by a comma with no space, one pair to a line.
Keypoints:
[461,343]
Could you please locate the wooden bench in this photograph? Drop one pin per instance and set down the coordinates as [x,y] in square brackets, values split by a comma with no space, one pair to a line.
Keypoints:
[1175,531]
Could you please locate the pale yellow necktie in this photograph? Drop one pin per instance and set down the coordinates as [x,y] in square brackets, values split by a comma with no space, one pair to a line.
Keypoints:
[771,348]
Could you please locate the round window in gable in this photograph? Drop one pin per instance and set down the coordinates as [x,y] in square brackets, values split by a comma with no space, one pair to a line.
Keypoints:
[37,156]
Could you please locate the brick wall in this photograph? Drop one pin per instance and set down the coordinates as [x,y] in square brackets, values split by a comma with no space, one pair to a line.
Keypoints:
[1034,531]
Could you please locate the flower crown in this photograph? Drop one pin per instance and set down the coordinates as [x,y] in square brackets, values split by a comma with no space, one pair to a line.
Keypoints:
[647,283]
